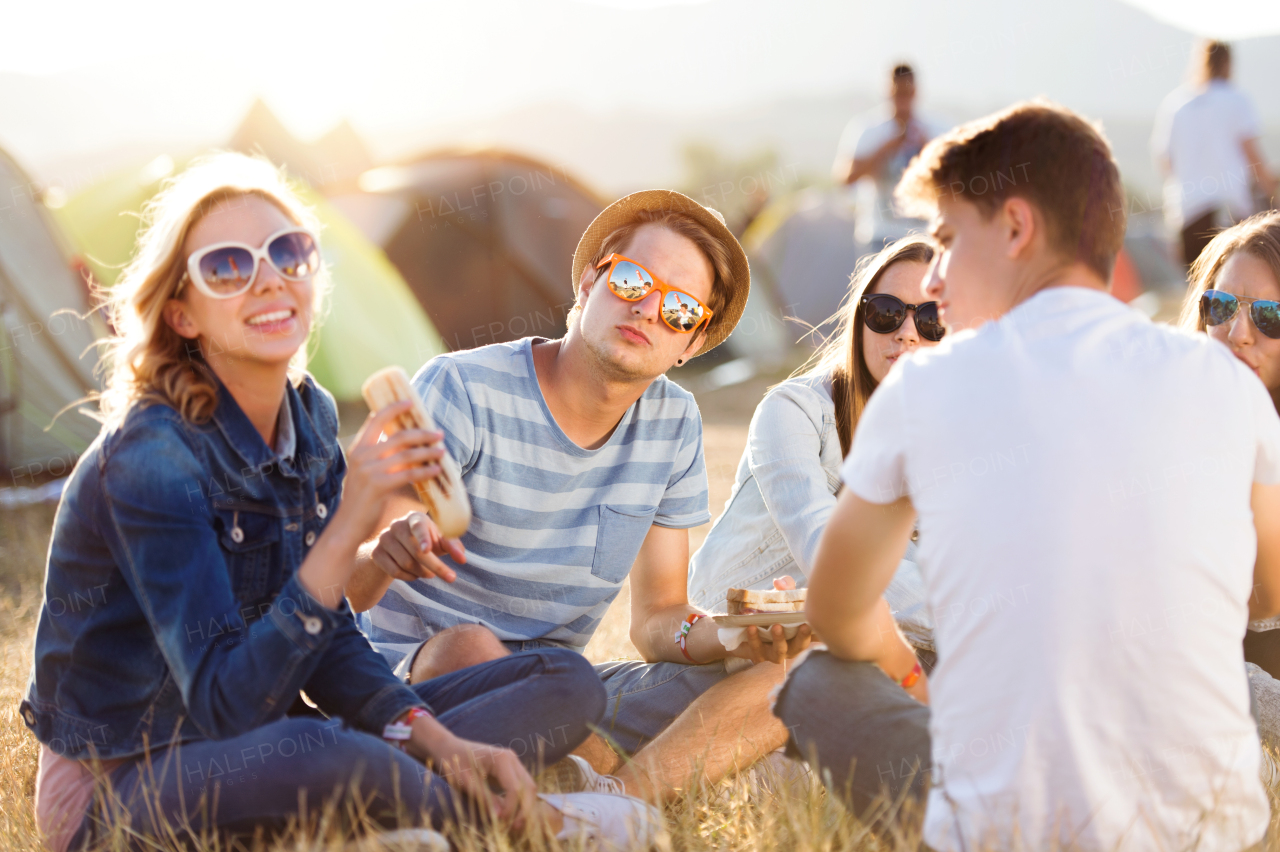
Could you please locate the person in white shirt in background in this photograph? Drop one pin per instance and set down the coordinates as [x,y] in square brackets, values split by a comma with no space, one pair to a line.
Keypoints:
[1206,144]
[878,146]
[1098,501]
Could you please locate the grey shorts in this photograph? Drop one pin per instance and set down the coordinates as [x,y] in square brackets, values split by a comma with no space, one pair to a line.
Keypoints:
[643,698]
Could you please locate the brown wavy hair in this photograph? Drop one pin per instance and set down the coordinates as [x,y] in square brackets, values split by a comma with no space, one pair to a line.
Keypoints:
[1259,235]
[840,355]
[145,361]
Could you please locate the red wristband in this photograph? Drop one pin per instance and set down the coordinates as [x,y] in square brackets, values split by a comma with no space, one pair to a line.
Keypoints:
[398,733]
[683,636]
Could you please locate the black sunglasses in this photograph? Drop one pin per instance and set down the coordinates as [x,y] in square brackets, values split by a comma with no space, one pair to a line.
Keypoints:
[885,314]
[1217,307]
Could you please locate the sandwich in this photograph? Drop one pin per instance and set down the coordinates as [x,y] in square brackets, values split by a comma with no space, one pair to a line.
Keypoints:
[752,601]
[444,497]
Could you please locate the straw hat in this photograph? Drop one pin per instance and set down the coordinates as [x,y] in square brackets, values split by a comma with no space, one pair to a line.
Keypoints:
[623,212]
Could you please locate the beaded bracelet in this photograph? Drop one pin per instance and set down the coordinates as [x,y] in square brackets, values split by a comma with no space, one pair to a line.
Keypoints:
[683,636]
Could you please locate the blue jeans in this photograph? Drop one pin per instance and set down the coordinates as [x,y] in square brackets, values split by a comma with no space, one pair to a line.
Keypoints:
[643,698]
[867,736]
[541,704]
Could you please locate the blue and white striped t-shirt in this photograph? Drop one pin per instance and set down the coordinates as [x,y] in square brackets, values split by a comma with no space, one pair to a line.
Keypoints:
[555,528]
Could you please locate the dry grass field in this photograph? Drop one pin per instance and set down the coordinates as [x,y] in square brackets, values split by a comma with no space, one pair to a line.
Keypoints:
[735,816]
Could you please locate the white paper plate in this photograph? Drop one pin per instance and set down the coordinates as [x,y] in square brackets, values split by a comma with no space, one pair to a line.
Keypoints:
[760,619]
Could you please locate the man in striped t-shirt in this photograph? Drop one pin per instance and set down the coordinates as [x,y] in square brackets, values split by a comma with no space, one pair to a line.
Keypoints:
[584,466]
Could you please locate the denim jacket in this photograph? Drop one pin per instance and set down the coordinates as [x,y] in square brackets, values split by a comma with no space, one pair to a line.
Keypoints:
[172,611]
[784,492]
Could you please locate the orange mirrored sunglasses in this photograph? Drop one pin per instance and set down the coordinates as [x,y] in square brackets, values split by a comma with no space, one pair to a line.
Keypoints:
[631,282]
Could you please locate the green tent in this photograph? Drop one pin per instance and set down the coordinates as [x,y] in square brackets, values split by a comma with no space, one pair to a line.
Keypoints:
[46,338]
[372,319]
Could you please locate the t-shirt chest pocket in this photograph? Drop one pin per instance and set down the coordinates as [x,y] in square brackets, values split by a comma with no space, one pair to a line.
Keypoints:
[250,542]
[618,539]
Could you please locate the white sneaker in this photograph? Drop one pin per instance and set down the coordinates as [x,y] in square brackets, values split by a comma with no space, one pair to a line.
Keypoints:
[575,775]
[402,840]
[777,774]
[1268,772]
[607,822]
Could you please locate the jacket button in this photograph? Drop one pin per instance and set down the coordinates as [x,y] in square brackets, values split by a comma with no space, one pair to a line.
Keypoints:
[237,535]
[29,716]
[322,510]
[310,537]
[312,625]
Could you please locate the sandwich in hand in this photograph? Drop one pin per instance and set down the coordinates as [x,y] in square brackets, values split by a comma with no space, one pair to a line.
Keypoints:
[751,601]
[444,497]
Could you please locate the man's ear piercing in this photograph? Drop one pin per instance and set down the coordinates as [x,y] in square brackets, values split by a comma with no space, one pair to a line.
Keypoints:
[679,362]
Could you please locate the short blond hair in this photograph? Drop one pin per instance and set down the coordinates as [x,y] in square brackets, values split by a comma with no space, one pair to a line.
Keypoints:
[144,360]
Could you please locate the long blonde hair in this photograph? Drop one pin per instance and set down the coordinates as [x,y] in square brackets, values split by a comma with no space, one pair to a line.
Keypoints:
[144,360]
[840,355]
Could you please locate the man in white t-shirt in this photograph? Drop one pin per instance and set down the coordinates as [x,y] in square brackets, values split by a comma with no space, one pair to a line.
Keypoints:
[879,146]
[1086,485]
[1206,144]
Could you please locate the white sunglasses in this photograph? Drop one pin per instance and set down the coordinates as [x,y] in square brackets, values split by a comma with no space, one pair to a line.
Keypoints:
[224,270]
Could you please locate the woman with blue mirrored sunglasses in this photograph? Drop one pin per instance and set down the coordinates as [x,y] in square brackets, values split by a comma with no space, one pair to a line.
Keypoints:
[1235,298]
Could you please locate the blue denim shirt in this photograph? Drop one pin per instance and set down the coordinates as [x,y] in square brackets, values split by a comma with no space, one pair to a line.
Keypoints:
[784,493]
[172,611]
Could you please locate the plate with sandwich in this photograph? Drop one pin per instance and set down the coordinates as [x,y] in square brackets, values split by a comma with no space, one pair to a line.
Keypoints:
[763,607]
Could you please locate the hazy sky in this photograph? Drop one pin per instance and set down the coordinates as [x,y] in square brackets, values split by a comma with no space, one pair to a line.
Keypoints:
[56,35]
[314,61]
[110,74]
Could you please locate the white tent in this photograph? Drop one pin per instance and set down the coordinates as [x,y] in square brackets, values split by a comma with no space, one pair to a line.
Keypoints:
[46,361]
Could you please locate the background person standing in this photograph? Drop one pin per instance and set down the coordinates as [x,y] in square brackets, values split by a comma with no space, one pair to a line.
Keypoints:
[879,146]
[1206,143]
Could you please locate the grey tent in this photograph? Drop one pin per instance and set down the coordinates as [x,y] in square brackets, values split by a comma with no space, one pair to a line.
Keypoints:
[46,361]
[802,252]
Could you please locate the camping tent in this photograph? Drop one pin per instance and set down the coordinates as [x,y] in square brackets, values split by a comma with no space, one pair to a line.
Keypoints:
[46,360]
[802,251]
[484,238]
[372,319]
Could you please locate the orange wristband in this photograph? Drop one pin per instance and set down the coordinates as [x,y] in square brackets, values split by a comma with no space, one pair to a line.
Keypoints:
[912,677]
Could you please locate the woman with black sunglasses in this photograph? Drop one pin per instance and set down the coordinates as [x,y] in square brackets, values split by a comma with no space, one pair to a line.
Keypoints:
[1235,297]
[790,471]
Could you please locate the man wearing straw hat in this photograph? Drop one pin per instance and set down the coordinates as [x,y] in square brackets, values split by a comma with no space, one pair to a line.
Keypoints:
[584,465]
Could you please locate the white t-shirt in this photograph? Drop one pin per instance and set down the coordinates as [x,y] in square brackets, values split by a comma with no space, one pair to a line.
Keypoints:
[878,219]
[1200,130]
[1082,479]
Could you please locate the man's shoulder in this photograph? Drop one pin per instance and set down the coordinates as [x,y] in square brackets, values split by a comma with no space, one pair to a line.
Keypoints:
[666,393]
[666,402]
[473,365]
[877,121]
[1178,98]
